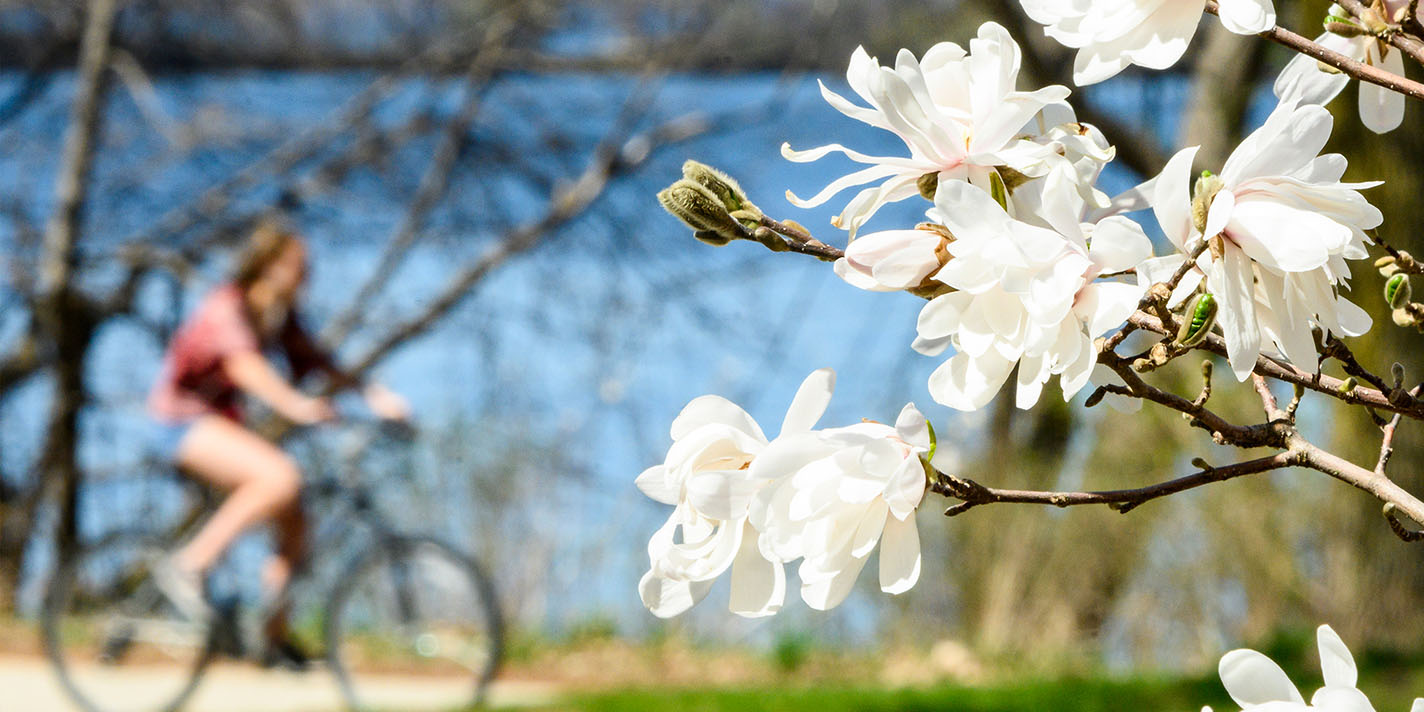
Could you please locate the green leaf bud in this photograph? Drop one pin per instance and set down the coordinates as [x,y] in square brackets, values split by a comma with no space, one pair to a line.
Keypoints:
[1198,320]
[1397,291]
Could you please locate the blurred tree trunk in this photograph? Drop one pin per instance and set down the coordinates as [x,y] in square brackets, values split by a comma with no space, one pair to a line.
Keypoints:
[62,311]
[1361,560]
[1216,114]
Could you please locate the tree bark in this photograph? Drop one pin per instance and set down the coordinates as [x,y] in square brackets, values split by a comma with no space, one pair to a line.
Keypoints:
[64,317]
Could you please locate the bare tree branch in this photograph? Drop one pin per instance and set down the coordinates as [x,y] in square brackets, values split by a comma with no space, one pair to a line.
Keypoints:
[61,313]
[433,183]
[1358,70]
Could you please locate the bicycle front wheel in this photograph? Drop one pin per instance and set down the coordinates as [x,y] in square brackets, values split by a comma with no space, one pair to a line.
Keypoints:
[116,642]
[414,625]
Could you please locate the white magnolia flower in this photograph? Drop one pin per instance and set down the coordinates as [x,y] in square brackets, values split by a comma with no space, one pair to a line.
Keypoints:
[958,113]
[1381,109]
[706,478]
[892,260]
[1255,682]
[1280,226]
[1111,34]
[835,494]
[1024,295]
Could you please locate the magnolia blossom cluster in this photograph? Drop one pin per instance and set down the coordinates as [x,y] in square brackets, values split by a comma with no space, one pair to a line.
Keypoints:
[1026,262]
[1255,682]
[751,505]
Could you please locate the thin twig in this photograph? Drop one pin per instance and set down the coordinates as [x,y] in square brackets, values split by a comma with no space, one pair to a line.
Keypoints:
[973,494]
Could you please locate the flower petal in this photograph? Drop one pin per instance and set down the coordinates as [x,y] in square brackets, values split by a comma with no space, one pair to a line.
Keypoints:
[666,598]
[1254,679]
[758,585]
[655,483]
[1382,110]
[1336,664]
[810,401]
[969,383]
[1119,244]
[1172,197]
[1247,17]
[899,555]
[714,409]
[1231,280]
[721,495]
[830,591]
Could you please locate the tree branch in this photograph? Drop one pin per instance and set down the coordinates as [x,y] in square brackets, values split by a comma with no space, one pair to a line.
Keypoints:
[973,494]
[1358,70]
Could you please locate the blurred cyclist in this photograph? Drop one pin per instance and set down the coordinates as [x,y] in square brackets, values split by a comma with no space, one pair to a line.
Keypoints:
[215,358]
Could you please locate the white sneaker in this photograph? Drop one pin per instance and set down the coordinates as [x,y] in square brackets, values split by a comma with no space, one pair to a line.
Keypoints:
[183,588]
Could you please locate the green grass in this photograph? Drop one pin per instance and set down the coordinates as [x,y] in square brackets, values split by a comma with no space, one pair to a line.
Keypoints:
[1047,696]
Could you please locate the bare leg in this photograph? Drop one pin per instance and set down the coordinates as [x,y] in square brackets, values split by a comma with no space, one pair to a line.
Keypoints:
[263,483]
[291,525]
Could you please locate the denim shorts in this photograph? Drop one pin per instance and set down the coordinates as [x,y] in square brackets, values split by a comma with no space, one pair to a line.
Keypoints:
[165,437]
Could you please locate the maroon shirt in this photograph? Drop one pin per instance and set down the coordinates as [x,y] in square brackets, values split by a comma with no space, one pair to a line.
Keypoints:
[193,382]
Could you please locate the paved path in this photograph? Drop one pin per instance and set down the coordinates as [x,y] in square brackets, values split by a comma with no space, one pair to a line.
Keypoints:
[27,684]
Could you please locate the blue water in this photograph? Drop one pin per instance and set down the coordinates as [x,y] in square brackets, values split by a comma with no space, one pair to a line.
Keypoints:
[554,383]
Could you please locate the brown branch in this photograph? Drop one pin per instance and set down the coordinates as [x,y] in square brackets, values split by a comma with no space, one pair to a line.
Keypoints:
[1318,382]
[1222,430]
[1408,44]
[973,494]
[1356,69]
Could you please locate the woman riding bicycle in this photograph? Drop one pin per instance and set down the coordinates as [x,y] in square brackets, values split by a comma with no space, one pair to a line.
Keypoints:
[214,359]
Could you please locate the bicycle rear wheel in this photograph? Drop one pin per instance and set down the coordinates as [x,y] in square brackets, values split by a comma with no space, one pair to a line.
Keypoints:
[116,642]
[414,625]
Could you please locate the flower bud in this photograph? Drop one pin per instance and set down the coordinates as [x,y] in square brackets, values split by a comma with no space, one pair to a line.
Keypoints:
[1397,291]
[1347,386]
[720,184]
[1344,28]
[1205,190]
[1197,321]
[711,237]
[697,206]
[928,184]
[1200,463]
[767,237]
[1095,398]
[1402,317]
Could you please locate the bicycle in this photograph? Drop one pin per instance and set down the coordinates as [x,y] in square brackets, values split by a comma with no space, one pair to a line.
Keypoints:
[405,605]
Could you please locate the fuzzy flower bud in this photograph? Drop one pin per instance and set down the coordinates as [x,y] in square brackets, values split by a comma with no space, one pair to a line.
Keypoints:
[700,209]
[1207,186]
[720,184]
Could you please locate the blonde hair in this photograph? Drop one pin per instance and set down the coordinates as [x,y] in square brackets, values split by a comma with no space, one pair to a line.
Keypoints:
[267,242]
